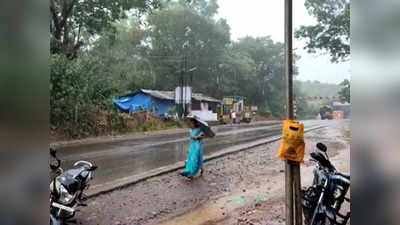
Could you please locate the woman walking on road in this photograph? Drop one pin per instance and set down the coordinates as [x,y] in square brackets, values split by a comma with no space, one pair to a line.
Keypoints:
[194,161]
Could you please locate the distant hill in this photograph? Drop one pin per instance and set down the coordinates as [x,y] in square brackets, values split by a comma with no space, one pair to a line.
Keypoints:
[315,88]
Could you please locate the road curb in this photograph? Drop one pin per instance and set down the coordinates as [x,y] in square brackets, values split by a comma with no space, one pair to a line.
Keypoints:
[131,180]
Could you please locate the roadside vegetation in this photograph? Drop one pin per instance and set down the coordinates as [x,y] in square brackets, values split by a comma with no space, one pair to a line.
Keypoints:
[101,50]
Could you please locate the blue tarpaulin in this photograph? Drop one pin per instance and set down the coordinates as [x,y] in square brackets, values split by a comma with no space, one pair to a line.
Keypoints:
[143,101]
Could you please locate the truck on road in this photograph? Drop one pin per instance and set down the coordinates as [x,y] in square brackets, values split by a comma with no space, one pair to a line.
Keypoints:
[326,112]
[244,113]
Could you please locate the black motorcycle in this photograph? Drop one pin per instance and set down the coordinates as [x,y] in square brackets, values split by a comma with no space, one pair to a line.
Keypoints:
[323,200]
[66,189]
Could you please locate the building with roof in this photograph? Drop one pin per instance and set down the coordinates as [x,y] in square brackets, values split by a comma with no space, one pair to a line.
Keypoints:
[159,102]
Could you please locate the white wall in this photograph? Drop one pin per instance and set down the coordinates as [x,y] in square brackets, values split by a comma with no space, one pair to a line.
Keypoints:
[205,115]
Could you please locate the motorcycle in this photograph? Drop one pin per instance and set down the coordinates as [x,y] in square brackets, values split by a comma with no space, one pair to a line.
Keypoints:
[323,200]
[67,188]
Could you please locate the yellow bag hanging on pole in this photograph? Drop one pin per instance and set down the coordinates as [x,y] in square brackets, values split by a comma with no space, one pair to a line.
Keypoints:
[292,145]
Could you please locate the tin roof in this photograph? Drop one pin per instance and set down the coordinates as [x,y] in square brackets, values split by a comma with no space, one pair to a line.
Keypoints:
[167,95]
[341,104]
[201,97]
[170,95]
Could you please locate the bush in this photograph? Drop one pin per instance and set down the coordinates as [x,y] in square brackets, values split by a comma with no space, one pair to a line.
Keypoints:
[78,100]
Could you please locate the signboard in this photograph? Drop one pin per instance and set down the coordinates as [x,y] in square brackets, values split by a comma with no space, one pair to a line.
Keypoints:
[228,101]
[184,97]
[254,108]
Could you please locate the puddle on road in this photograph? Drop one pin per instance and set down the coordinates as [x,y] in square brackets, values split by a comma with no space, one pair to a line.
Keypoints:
[242,200]
[215,211]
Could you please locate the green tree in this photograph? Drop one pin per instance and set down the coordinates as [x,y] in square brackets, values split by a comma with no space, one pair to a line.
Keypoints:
[73,22]
[268,83]
[344,93]
[207,8]
[181,37]
[235,73]
[306,110]
[332,31]
[121,56]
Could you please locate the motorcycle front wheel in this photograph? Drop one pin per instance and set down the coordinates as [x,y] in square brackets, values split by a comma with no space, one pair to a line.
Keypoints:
[55,221]
[320,220]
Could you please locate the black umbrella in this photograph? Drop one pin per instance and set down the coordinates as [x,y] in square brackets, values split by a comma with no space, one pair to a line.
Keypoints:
[203,126]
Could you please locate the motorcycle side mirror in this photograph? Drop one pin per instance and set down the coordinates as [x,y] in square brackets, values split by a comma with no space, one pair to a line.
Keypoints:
[53,152]
[322,147]
[93,168]
[54,167]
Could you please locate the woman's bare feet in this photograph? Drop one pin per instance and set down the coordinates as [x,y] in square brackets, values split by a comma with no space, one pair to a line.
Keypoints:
[188,179]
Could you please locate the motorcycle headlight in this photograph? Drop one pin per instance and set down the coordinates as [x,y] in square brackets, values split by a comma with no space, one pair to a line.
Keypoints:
[65,196]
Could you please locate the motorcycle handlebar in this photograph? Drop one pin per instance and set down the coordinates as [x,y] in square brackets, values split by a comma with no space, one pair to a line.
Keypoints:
[343,175]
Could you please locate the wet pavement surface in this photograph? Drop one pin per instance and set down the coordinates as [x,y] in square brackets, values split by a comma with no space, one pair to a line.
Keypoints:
[237,189]
[130,157]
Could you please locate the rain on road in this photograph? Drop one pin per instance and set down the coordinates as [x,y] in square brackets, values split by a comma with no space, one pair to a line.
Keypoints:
[129,157]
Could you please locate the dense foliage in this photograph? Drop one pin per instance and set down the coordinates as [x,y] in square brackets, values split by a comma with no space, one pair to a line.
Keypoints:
[124,53]
[74,22]
[344,93]
[332,31]
[310,109]
[316,88]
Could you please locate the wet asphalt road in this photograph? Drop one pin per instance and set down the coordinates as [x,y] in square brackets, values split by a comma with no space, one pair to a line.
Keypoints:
[124,158]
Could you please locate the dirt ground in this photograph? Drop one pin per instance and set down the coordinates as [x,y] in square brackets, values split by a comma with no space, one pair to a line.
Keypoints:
[246,188]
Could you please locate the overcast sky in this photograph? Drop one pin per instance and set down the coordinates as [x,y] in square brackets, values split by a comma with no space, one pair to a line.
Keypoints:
[266,17]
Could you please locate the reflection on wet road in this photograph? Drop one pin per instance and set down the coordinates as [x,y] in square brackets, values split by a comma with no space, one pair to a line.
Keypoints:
[119,159]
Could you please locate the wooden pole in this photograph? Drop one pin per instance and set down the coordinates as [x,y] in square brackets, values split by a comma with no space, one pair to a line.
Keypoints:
[289,58]
[289,194]
[292,169]
[298,210]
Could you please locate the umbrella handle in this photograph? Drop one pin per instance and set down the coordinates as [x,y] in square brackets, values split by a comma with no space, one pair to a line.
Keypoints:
[198,137]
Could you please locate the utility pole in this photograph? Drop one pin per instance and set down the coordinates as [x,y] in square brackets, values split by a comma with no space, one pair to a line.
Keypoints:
[292,169]
[185,105]
[181,110]
[183,69]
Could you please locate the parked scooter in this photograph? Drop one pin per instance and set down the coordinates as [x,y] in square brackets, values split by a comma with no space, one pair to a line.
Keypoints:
[66,189]
[323,200]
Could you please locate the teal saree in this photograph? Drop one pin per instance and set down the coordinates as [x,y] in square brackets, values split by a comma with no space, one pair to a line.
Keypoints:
[194,160]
